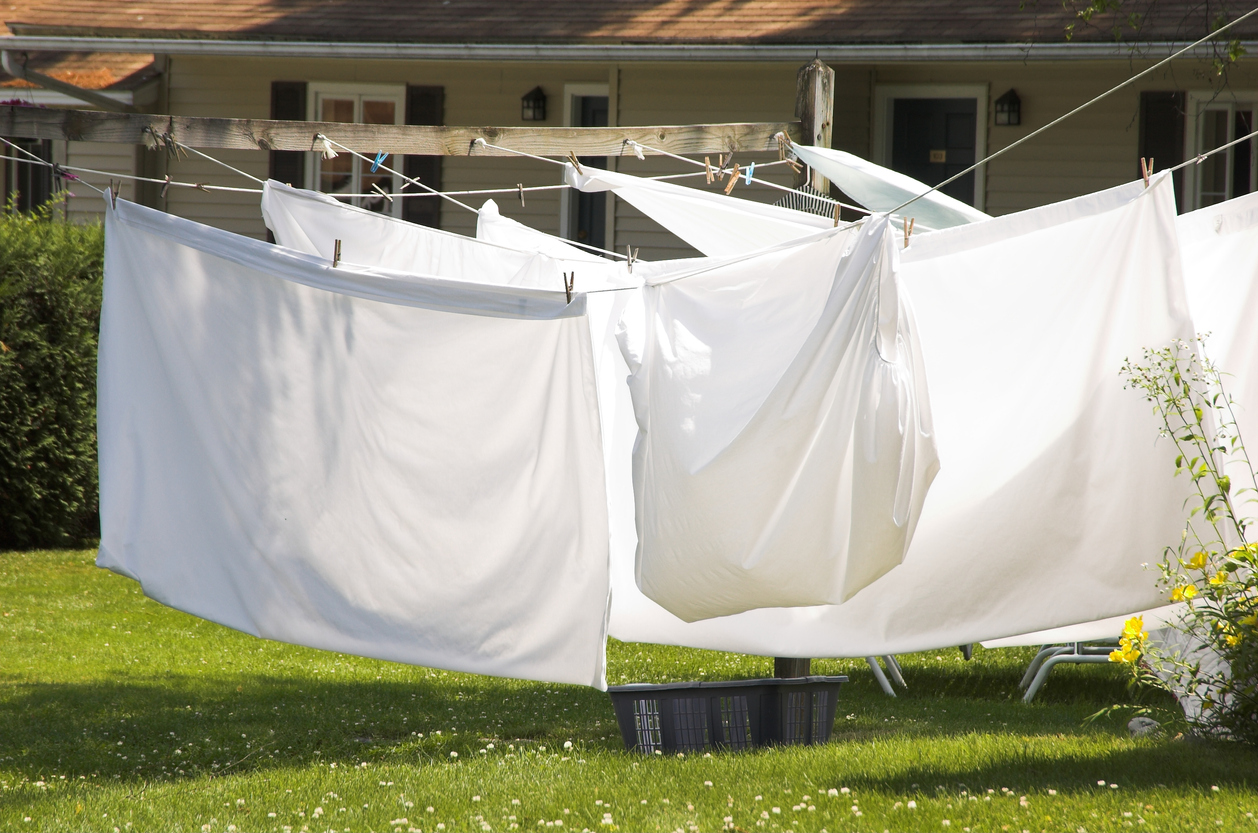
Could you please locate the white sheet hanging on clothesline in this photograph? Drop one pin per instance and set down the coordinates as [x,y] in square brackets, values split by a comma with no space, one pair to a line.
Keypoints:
[351,459]
[1053,491]
[1219,248]
[784,449]
[882,189]
[731,226]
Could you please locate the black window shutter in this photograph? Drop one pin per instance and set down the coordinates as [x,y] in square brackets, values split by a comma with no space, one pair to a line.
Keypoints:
[424,105]
[288,103]
[1162,134]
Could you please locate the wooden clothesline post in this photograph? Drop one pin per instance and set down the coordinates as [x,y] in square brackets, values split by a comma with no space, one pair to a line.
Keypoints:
[814,107]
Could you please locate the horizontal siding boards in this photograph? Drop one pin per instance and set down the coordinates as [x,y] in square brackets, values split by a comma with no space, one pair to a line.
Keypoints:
[86,205]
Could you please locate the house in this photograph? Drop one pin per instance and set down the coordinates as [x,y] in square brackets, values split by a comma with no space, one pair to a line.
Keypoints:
[916,88]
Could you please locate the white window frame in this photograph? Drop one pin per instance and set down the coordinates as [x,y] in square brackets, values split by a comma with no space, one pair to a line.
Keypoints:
[1200,103]
[884,112]
[316,90]
[571,92]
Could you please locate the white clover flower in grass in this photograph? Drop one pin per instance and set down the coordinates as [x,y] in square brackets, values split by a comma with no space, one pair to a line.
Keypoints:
[764,814]
[1052,792]
[432,810]
[454,754]
[777,810]
[912,805]
[399,821]
[832,792]
[476,798]
[946,823]
[567,744]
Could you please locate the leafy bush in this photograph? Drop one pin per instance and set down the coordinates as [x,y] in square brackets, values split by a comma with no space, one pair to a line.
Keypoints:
[1210,658]
[50,295]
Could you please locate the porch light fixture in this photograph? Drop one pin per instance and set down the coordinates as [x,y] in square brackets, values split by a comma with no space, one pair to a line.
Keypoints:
[533,105]
[1009,109]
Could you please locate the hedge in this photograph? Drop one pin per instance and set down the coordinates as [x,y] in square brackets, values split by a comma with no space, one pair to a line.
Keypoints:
[50,295]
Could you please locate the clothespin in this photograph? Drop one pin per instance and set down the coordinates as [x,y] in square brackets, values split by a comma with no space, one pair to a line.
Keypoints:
[1144,171]
[200,186]
[794,166]
[838,209]
[633,255]
[328,152]
[707,169]
[113,193]
[751,169]
[166,186]
[733,180]
[62,173]
[569,281]
[336,253]
[908,231]
[380,157]
[375,186]
[520,187]
[572,157]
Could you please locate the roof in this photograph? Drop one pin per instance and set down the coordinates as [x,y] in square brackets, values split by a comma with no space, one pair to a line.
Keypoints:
[618,21]
[93,71]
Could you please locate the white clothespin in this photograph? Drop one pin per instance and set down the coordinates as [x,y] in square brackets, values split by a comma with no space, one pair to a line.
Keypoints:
[478,142]
[336,253]
[637,150]
[328,152]
[375,186]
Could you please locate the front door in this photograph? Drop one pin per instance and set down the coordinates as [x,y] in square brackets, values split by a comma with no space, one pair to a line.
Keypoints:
[591,209]
[935,138]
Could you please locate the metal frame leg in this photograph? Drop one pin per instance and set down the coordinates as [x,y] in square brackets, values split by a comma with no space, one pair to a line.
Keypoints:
[879,676]
[1053,661]
[1031,670]
[894,671]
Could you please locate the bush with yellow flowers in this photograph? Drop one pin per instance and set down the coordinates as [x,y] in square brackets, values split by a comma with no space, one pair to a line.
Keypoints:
[1209,657]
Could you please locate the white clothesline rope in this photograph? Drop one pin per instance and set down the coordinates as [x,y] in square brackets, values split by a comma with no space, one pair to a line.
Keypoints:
[1078,109]
[1201,157]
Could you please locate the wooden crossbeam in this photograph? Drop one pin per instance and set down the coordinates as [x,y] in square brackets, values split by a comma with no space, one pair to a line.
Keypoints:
[265,134]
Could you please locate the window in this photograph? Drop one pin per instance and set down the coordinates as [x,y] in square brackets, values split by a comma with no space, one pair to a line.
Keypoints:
[1230,173]
[931,132]
[347,174]
[27,186]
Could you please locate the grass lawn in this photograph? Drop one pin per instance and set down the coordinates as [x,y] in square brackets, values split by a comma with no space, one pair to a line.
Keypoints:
[118,714]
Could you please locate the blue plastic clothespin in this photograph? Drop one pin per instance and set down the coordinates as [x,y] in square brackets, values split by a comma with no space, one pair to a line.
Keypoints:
[380,157]
[751,169]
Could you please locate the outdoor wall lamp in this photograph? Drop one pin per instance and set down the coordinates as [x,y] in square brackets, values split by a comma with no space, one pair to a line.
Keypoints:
[1009,109]
[533,105]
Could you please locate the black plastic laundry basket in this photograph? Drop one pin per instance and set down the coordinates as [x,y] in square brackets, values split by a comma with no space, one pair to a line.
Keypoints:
[740,714]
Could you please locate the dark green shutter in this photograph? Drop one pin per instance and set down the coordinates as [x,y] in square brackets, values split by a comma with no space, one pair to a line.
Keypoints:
[288,103]
[1162,135]
[424,105]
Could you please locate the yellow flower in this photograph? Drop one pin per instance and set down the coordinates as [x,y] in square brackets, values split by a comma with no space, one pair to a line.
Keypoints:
[1218,578]
[1197,562]
[1115,656]
[1233,640]
[1134,628]
[1180,594]
[1251,620]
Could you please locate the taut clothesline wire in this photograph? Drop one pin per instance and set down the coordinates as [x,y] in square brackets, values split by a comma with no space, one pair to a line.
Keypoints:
[787,188]
[1078,109]
[1201,157]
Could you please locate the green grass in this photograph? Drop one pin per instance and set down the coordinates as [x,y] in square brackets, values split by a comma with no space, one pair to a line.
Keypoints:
[119,714]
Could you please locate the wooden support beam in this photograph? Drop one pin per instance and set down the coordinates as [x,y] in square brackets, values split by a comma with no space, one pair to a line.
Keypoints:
[265,134]
[814,106]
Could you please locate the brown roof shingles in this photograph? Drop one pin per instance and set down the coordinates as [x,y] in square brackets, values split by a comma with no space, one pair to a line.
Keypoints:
[620,21]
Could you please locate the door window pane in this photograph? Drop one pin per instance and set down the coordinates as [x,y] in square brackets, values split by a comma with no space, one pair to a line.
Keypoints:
[346,174]
[376,112]
[1212,173]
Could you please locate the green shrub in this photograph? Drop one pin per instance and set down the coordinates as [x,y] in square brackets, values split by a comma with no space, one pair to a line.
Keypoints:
[50,294]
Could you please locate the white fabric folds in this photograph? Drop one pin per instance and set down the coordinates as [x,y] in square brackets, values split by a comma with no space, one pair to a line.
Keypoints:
[882,189]
[716,225]
[1054,490]
[351,459]
[784,450]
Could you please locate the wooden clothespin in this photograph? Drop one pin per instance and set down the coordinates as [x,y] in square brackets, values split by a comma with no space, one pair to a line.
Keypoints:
[113,193]
[794,166]
[375,186]
[837,210]
[1146,171]
[572,157]
[336,253]
[520,188]
[733,180]
[165,186]
[633,255]
[707,169]
[908,231]
[200,186]
[569,281]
